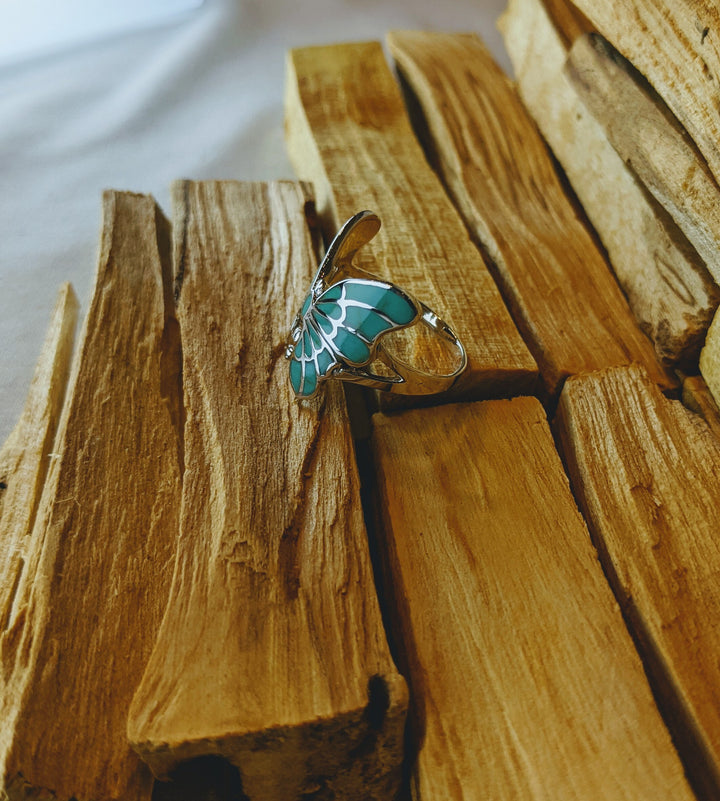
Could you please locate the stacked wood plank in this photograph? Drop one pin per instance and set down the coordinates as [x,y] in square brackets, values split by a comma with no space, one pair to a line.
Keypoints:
[186,584]
[616,88]
[499,173]
[435,477]
[92,581]
[253,661]
[665,280]
[26,456]
[629,451]
[524,678]
[625,94]
[233,617]
[348,132]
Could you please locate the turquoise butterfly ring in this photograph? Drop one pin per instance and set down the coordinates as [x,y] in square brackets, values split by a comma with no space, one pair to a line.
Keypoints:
[339,329]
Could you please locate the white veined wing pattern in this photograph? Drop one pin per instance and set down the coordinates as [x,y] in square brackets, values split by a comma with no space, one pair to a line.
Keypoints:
[342,327]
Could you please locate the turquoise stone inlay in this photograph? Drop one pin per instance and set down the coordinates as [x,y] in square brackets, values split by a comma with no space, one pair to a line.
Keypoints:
[310,379]
[295,375]
[366,322]
[351,346]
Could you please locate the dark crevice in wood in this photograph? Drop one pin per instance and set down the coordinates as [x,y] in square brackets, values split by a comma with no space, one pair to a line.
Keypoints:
[171,357]
[208,778]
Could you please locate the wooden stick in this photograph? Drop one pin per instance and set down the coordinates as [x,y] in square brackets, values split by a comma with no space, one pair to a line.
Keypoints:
[95,584]
[272,652]
[27,454]
[674,44]
[348,132]
[647,473]
[665,282]
[697,397]
[646,136]
[524,678]
[500,176]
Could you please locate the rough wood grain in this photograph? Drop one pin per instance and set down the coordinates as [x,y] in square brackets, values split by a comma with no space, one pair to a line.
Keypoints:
[498,171]
[697,397]
[674,44]
[525,682]
[650,140]
[710,358]
[26,455]
[647,473]
[665,282]
[93,590]
[348,132]
[272,652]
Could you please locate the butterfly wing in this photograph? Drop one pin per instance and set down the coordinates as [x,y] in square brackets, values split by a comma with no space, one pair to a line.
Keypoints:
[352,314]
[343,326]
[356,232]
[312,356]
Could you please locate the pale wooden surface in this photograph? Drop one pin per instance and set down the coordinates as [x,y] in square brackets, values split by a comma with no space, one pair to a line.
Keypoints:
[666,284]
[648,138]
[525,682]
[710,359]
[28,452]
[92,594]
[647,474]
[272,652]
[697,397]
[499,173]
[674,44]
[348,132]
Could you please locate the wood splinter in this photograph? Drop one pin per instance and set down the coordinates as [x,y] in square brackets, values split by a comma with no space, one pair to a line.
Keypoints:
[94,583]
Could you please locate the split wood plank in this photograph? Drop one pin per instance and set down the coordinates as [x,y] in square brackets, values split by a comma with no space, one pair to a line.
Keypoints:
[650,140]
[26,455]
[92,594]
[272,652]
[647,474]
[697,397]
[674,44]
[497,170]
[524,679]
[347,131]
[664,280]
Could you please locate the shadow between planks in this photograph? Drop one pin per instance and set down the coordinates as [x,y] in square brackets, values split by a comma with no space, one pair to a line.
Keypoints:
[522,673]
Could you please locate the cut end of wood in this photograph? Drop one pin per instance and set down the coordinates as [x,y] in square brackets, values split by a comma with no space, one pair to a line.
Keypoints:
[354,755]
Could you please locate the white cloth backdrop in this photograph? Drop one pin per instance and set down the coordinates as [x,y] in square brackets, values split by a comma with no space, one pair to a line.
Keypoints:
[198,95]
